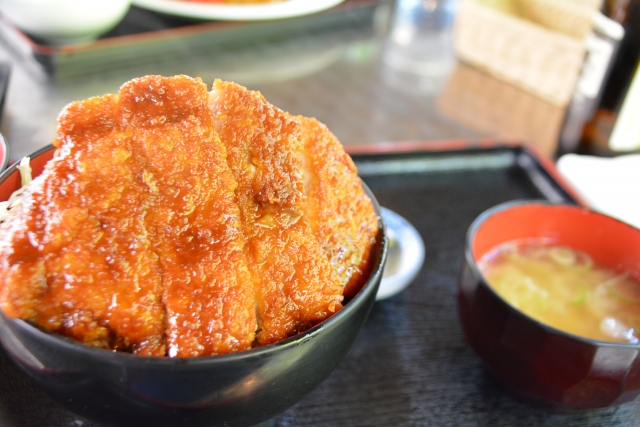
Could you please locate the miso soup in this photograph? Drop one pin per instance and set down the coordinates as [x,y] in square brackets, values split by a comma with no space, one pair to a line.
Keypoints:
[562,287]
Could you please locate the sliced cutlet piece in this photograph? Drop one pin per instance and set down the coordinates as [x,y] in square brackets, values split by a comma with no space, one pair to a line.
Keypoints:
[208,290]
[297,286]
[340,212]
[76,258]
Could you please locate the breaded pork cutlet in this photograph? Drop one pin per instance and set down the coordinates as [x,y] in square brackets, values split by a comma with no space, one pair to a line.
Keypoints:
[76,258]
[340,212]
[131,239]
[208,292]
[298,288]
[186,223]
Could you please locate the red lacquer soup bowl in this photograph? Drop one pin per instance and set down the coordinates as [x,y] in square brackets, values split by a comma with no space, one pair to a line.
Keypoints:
[536,362]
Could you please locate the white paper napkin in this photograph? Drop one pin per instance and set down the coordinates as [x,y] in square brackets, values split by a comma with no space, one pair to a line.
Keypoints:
[608,185]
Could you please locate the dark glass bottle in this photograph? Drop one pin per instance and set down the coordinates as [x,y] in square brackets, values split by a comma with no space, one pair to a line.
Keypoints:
[615,124]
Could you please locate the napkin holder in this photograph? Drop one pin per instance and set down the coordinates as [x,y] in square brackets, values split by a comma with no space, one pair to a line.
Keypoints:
[536,45]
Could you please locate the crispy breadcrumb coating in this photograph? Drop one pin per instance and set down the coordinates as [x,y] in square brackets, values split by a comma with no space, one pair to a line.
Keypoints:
[185,223]
[298,288]
[342,215]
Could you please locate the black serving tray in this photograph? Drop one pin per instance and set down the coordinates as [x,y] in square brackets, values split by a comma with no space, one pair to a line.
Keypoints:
[410,365]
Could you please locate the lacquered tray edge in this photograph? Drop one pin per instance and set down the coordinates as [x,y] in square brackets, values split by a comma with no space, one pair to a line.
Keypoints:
[544,162]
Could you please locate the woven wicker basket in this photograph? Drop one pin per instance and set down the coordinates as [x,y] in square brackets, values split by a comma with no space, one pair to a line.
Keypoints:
[537,45]
[496,109]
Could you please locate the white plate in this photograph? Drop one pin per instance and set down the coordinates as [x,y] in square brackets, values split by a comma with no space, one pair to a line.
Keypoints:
[405,257]
[278,10]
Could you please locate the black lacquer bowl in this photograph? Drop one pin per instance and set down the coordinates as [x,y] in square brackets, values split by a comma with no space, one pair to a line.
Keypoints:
[536,362]
[230,390]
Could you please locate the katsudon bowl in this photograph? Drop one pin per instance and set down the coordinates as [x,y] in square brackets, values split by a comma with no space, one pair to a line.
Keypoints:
[238,389]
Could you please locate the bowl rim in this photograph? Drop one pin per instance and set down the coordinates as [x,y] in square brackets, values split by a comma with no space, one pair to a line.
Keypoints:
[473,265]
[112,356]
[4,152]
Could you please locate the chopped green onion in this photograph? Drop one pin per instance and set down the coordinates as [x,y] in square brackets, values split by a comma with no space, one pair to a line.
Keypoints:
[583,296]
[562,255]
[615,293]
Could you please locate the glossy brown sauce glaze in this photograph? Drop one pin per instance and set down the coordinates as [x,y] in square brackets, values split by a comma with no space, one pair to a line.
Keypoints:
[298,288]
[175,222]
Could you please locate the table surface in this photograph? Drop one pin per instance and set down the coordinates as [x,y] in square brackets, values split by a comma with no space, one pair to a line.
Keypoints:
[336,73]
[410,365]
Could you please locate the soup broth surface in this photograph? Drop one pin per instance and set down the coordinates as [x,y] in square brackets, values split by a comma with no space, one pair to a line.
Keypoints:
[562,287]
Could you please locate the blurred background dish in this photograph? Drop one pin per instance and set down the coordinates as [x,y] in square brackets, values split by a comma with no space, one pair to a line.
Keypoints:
[65,21]
[243,12]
